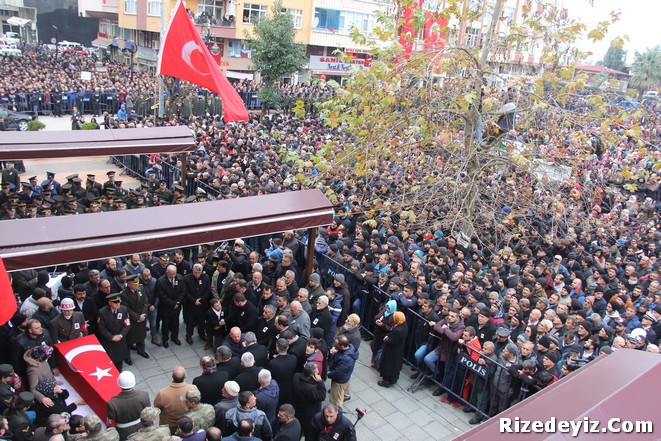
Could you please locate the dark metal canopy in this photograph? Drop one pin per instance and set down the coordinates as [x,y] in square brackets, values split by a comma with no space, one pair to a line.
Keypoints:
[623,385]
[40,242]
[49,145]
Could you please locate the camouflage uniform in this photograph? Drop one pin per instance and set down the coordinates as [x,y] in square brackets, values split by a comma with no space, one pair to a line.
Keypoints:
[152,432]
[91,421]
[203,416]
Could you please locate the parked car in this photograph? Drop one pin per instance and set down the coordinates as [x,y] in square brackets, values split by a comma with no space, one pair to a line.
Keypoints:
[12,38]
[7,51]
[71,46]
[15,120]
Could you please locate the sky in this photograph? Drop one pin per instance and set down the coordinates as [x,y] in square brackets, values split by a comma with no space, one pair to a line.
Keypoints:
[640,20]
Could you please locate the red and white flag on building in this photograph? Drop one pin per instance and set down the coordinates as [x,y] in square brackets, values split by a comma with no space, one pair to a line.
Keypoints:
[434,36]
[184,55]
[7,298]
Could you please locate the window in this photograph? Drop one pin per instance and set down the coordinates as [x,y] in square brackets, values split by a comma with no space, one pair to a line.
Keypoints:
[106,27]
[212,8]
[238,49]
[326,19]
[253,12]
[154,8]
[130,7]
[297,17]
[358,20]
[472,36]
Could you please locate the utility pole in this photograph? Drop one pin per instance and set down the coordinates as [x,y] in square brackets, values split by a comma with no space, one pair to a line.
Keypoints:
[161,98]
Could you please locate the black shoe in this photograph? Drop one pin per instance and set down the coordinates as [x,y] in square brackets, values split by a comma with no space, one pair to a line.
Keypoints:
[438,392]
[143,354]
[129,362]
[166,344]
[468,409]
[475,420]
[189,340]
[133,347]
[384,383]
[176,341]
[347,398]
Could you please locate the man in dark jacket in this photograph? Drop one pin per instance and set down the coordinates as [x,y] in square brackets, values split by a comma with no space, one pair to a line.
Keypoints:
[281,367]
[267,395]
[197,292]
[321,317]
[211,382]
[331,425]
[309,392]
[170,293]
[290,427]
[342,362]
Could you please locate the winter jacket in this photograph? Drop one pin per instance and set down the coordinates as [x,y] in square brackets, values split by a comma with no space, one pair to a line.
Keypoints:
[267,400]
[342,364]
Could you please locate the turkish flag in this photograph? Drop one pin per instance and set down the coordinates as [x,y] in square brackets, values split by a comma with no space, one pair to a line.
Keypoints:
[7,298]
[184,55]
[406,36]
[434,36]
[87,367]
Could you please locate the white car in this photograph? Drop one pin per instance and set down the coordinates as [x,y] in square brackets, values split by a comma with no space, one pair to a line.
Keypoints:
[12,38]
[7,51]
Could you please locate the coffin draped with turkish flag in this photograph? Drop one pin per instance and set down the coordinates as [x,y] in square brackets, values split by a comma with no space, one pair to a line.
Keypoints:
[87,367]
[184,55]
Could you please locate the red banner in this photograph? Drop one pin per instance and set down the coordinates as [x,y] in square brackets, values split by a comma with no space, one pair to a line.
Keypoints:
[434,36]
[7,298]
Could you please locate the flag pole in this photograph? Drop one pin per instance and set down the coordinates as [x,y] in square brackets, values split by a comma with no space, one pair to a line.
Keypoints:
[161,100]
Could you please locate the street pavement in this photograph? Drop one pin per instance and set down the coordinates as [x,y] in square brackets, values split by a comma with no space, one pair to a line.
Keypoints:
[392,414]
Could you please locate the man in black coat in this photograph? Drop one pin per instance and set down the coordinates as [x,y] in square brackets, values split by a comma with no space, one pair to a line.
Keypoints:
[331,424]
[86,306]
[170,292]
[248,376]
[113,325]
[320,317]
[244,315]
[211,382]
[289,426]
[197,292]
[308,392]
[265,329]
[297,347]
[258,351]
[281,367]
[227,363]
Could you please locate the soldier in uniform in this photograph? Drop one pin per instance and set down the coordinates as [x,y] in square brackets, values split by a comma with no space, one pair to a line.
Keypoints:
[124,409]
[69,324]
[6,386]
[110,183]
[202,414]
[95,431]
[137,305]
[113,325]
[150,431]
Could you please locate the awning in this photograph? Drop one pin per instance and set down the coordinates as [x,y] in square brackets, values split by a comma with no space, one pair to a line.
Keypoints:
[239,75]
[18,21]
[41,242]
[46,145]
[619,385]
[102,43]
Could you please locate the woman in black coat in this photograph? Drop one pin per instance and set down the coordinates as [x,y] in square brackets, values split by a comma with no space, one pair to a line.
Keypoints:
[58,396]
[309,393]
[393,350]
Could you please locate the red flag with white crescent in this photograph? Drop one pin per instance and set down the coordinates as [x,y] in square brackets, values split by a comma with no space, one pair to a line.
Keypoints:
[434,36]
[184,55]
[8,304]
[87,367]
[406,36]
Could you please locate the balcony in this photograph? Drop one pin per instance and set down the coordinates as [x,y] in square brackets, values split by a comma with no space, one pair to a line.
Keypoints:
[219,28]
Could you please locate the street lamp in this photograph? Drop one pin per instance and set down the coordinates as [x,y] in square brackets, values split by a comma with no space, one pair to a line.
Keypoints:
[57,35]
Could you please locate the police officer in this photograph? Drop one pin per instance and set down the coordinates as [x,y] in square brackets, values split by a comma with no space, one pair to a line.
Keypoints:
[6,386]
[113,325]
[124,409]
[137,305]
[150,431]
[69,324]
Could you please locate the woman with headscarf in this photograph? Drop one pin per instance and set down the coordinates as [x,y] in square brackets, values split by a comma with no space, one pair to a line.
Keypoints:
[382,325]
[393,350]
[38,370]
[49,388]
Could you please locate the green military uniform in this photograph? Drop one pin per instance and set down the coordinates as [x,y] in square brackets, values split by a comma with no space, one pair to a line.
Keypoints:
[151,432]
[62,329]
[124,411]
[92,423]
[203,416]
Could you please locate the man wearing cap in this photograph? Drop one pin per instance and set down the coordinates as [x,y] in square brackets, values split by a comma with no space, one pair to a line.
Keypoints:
[315,290]
[69,324]
[648,321]
[230,400]
[94,428]
[150,430]
[202,414]
[124,409]
[110,183]
[50,181]
[19,419]
[114,324]
[6,386]
[137,305]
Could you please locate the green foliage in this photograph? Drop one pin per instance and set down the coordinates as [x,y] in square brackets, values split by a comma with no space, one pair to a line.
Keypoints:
[299,109]
[646,70]
[615,58]
[276,53]
[35,125]
[270,95]
[88,126]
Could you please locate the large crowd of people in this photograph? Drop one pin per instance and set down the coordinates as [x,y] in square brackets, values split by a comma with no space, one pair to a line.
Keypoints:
[532,297]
